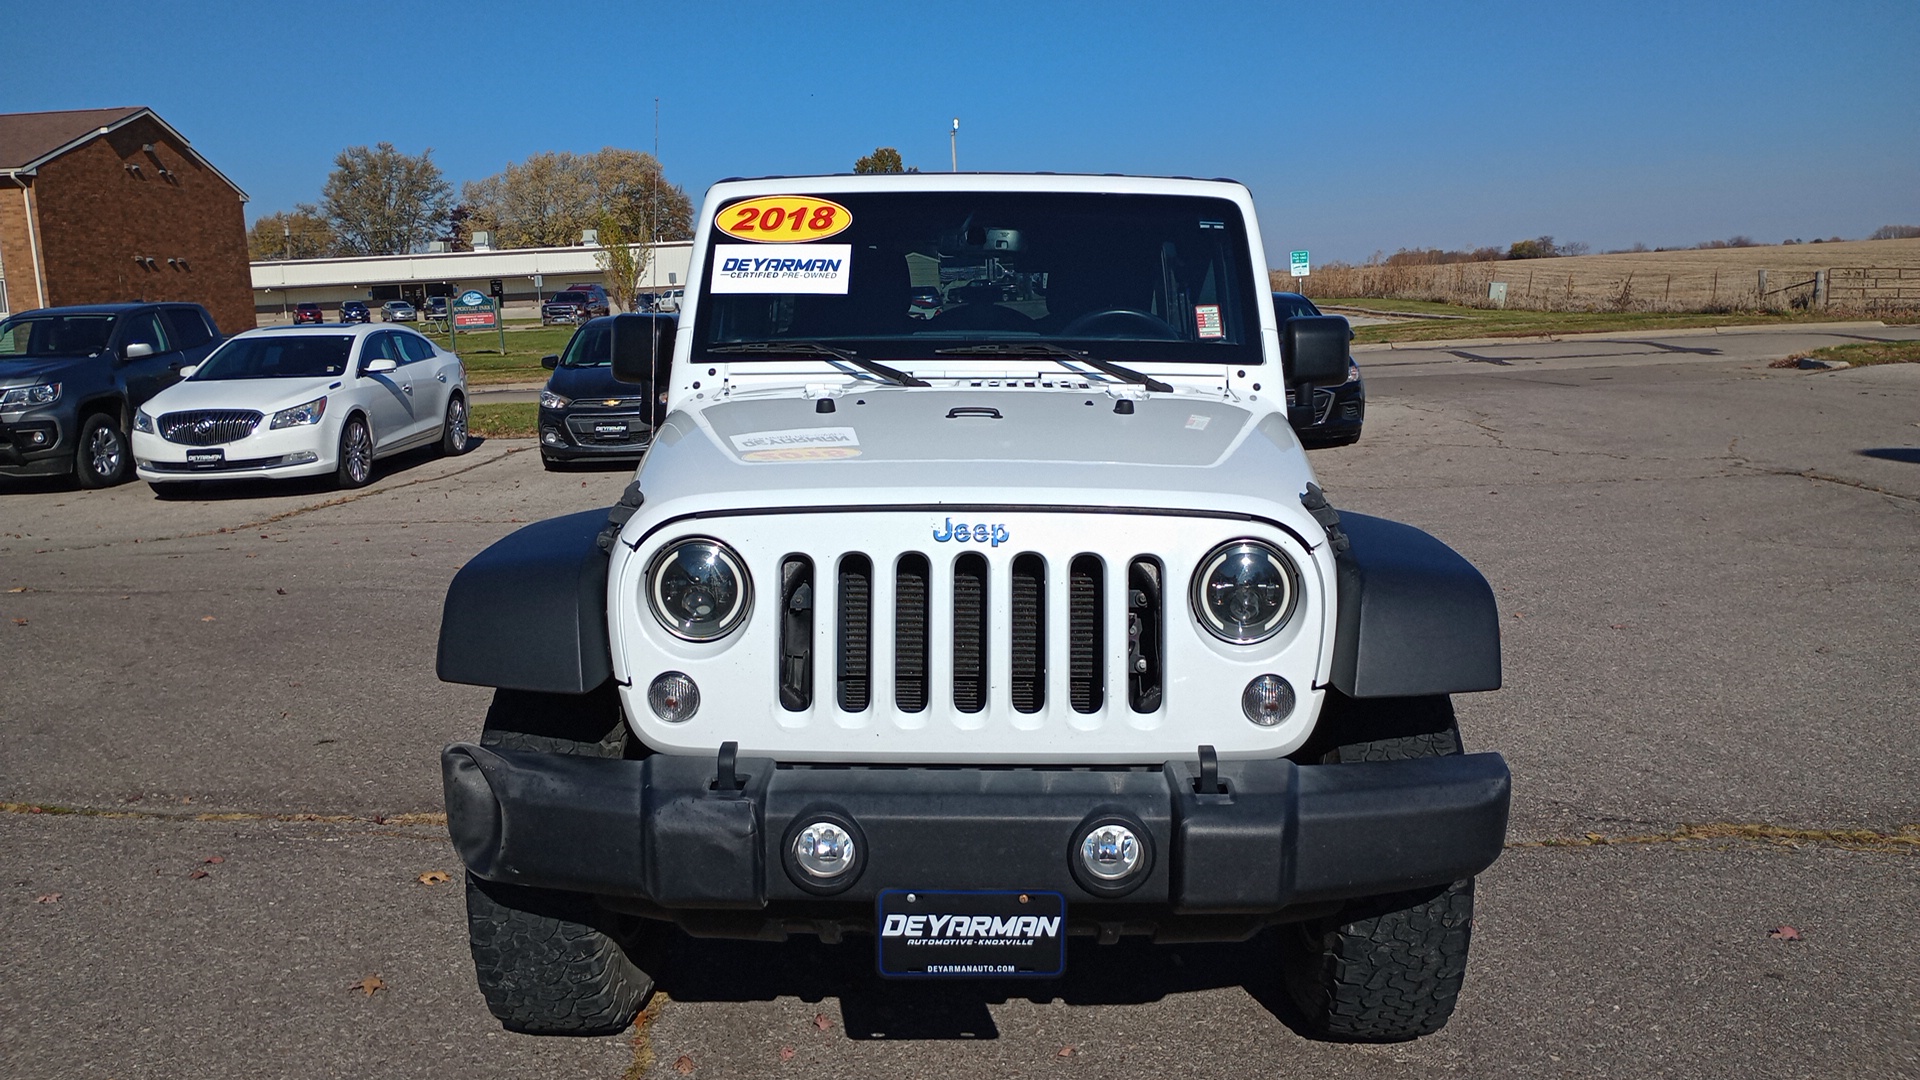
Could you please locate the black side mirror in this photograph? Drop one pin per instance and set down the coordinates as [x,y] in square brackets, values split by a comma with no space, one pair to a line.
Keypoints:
[550,362]
[643,346]
[1314,350]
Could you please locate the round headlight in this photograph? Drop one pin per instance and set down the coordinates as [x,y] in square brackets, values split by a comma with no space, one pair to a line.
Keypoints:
[699,589]
[1243,592]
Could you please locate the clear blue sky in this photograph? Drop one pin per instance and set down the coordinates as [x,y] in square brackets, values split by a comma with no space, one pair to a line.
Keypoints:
[1358,126]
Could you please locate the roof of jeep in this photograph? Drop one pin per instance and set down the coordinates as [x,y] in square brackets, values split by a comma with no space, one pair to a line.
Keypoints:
[1118,176]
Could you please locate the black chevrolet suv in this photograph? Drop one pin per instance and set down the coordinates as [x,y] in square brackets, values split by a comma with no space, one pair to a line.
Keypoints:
[71,377]
[586,413]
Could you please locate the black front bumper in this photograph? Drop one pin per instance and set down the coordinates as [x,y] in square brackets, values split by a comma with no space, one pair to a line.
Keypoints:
[668,833]
[21,455]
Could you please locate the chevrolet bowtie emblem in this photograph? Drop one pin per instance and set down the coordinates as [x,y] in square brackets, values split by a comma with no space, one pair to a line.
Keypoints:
[611,402]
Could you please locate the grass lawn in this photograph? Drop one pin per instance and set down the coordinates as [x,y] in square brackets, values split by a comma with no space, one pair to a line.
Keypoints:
[1869,352]
[526,343]
[513,420]
[1464,322]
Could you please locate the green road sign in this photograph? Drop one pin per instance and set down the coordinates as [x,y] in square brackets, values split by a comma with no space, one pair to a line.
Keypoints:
[1299,261]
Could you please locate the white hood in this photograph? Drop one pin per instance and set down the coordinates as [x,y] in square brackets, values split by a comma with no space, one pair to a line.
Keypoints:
[261,395]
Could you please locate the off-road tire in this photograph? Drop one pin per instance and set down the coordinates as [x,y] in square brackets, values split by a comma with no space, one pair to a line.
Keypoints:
[551,962]
[1386,968]
[103,455]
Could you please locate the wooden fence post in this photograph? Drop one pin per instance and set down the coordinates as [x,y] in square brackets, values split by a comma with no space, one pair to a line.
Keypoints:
[1819,288]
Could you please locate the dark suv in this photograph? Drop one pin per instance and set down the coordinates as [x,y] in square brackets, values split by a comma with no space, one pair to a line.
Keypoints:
[71,377]
[1340,411]
[575,304]
[586,413]
[354,311]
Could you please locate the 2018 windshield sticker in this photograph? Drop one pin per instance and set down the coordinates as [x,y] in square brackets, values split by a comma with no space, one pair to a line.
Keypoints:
[783,219]
[781,268]
[798,444]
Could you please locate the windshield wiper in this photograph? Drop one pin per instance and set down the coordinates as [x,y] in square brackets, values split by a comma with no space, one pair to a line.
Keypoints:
[1057,352]
[814,348]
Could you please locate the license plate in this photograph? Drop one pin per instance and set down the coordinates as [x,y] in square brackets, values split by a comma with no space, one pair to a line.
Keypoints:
[206,457]
[971,935]
[606,428]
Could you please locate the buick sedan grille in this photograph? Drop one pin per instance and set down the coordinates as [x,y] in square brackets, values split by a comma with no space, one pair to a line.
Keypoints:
[208,427]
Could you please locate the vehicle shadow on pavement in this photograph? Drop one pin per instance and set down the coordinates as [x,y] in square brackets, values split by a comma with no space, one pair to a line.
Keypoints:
[1908,454]
[1131,972]
[386,468]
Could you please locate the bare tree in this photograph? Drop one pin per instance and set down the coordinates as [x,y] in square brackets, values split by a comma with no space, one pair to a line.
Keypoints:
[384,202]
[300,233]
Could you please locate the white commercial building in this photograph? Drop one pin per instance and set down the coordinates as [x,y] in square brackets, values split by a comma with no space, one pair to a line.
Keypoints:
[526,277]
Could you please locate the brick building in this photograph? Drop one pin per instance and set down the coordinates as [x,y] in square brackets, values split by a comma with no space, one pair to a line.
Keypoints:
[100,205]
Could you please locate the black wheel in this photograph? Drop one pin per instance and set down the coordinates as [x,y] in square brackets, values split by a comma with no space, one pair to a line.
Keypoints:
[551,962]
[356,454]
[174,489]
[102,458]
[453,432]
[1386,968]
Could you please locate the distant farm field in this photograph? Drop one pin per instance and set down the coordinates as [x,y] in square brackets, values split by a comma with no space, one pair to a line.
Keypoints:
[1858,276]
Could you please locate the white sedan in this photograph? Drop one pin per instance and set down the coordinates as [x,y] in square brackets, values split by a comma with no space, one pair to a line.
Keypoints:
[302,401]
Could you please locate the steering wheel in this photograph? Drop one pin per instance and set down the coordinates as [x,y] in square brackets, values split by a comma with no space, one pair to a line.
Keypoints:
[1120,323]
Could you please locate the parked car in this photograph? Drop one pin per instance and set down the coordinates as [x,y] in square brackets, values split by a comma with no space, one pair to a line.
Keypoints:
[436,309]
[71,377]
[924,304]
[598,300]
[306,313]
[586,413]
[398,311]
[1338,411]
[302,401]
[354,311]
[668,302]
[573,306]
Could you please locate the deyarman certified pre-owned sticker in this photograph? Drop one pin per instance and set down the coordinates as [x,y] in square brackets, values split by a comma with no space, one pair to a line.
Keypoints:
[781,268]
[783,219]
[798,444]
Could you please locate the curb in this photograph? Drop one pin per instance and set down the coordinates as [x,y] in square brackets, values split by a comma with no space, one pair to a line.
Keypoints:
[1616,335]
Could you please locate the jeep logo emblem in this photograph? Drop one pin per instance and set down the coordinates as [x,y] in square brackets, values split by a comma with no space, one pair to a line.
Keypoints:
[962,533]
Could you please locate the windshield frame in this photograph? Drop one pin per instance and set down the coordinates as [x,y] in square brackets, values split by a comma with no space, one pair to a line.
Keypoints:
[1237,285]
[208,369]
[111,318]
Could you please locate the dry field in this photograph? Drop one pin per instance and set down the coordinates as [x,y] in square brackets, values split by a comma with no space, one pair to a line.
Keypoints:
[1865,276]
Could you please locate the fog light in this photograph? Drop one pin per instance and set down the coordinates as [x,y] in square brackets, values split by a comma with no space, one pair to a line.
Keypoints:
[1267,700]
[1111,852]
[824,850]
[36,438]
[550,436]
[674,697]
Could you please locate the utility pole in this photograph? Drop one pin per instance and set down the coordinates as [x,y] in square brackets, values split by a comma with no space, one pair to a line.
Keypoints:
[953,143]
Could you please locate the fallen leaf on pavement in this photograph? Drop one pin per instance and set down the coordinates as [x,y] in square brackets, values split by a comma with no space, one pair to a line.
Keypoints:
[50,898]
[1065,1051]
[197,875]
[820,1021]
[206,618]
[683,1064]
[1784,933]
[23,588]
[434,877]
[369,985]
[214,860]
[19,622]
[786,1052]
[280,592]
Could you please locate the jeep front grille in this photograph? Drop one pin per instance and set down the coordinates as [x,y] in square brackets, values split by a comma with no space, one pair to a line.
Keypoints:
[958,595]
[208,427]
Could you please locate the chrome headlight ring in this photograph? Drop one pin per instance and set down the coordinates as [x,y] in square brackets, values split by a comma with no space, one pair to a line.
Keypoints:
[1244,591]
[699,589]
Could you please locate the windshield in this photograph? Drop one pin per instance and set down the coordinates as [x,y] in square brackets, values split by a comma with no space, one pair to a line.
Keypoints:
[1142,277]
[31,336]
[303,356]
[590,347]
[569,298]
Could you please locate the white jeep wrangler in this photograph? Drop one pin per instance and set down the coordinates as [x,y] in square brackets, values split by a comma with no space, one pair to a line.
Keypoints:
[969,632]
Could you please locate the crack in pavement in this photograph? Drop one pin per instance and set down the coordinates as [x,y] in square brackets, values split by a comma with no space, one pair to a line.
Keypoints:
[286,515]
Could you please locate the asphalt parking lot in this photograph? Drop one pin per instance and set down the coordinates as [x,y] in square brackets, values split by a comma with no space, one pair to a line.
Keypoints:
[221,727]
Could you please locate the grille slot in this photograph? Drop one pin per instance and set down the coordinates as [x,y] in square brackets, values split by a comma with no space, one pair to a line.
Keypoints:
[208,427]
[1028,666]
[970,633]
[1085,640]
[910,633]
[1146,656]
[856,632]
[796,632]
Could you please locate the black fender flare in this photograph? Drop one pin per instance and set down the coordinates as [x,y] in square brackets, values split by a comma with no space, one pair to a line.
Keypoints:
[530,612]
[1415,618]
